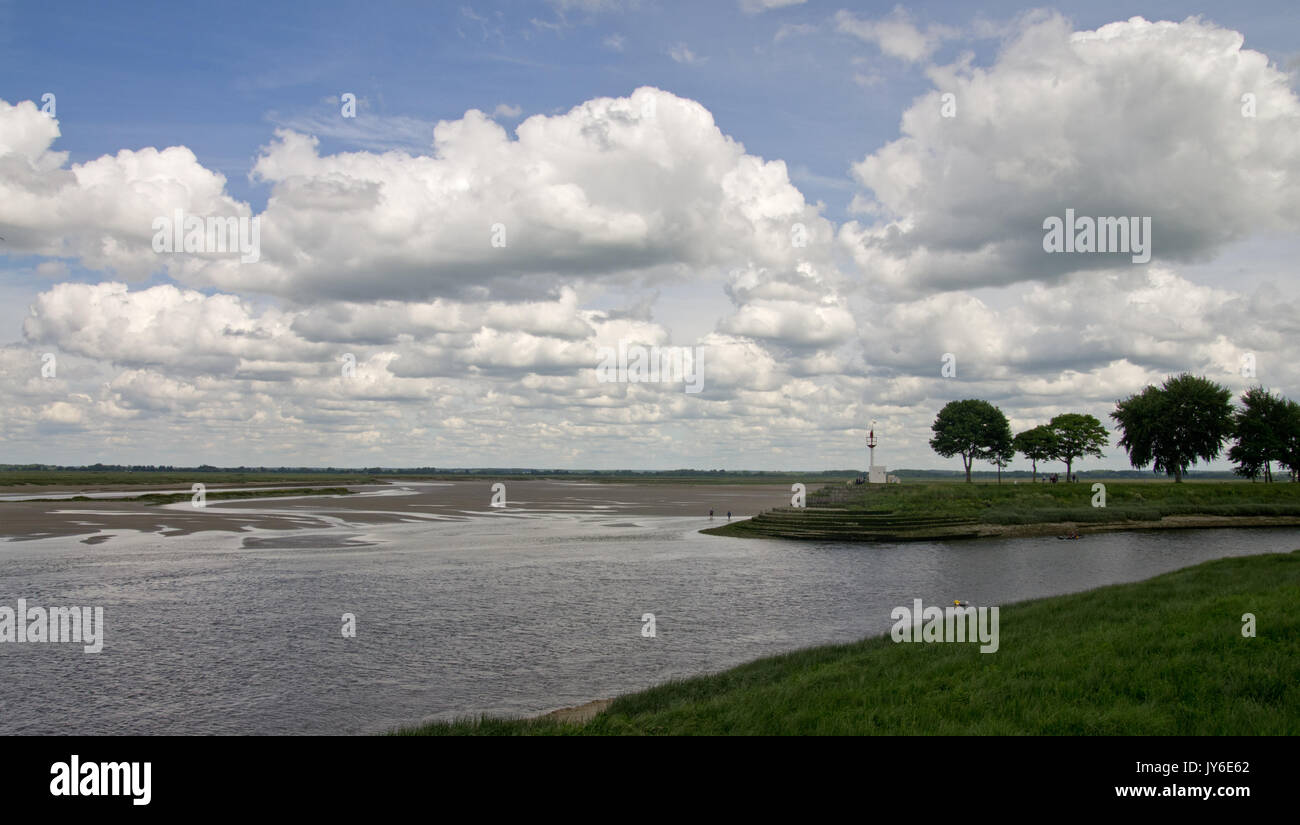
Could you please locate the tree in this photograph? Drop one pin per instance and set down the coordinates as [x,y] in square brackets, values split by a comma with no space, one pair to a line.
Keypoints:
[1077,435]
[1037,444]
[1261,429]
[1172,426]
[1291,442]
[1002,454]
[972,428]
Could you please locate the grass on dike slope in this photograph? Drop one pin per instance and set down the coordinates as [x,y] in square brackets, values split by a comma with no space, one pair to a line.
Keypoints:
[1163,656]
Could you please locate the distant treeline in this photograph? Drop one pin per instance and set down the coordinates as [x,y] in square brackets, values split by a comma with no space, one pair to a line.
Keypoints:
[517,471]
[992,474]
[416,471]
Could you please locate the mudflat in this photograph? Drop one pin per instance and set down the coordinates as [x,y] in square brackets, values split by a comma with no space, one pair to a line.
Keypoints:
[388,502]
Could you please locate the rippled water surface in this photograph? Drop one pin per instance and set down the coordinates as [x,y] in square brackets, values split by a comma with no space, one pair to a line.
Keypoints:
[240,633]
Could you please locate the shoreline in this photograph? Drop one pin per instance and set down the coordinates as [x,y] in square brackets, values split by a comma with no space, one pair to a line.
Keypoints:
[577,714]
[587,711]
[823,690]
[1184,522]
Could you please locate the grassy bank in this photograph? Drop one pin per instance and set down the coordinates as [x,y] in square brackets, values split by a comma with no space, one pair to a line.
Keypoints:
[945,510]
[1161,657]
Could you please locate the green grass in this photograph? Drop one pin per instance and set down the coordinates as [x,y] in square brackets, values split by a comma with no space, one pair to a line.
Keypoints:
[942,509]
[1160,657]
[985,500]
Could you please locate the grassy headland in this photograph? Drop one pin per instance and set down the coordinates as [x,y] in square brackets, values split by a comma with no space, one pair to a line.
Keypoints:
[945,510]
[1164,656]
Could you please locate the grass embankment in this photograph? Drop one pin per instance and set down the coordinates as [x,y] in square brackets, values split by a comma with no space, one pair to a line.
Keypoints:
[1164,656]
[211,495]
[943,510]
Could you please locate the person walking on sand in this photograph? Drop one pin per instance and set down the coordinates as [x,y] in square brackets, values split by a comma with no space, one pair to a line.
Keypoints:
[728,515]
[710,515]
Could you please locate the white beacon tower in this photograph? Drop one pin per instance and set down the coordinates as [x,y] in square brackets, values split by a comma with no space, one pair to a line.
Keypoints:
[876,474]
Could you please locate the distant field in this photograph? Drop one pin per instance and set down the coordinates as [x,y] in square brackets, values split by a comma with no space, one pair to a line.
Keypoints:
[1160,657]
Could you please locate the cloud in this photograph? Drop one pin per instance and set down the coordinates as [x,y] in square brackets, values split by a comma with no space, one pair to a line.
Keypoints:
[474,354]
[101,211]
[788,29]
[760,6]
[681,54]
[615,189]
[1133,119]
[896,35]
[162,325]
[375,133]
[586,5]
[507,110]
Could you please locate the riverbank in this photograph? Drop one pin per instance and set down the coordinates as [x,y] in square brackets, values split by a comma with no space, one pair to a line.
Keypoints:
[941,511]
[1165,656]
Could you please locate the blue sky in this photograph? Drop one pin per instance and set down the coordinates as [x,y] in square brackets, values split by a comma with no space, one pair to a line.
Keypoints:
[841,337]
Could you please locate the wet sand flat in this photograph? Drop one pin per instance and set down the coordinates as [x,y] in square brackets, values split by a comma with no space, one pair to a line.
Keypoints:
[385,503]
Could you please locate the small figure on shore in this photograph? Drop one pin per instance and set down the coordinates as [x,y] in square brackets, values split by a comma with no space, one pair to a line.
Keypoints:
[710,515]
[728,515]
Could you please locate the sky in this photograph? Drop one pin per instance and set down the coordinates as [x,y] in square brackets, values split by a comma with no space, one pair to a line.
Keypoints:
[454,212]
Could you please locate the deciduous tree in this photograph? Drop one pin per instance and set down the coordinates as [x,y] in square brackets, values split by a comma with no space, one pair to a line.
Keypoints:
[1172,426]
[971,428]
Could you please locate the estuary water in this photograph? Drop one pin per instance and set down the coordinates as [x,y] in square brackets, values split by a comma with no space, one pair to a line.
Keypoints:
[240,633]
